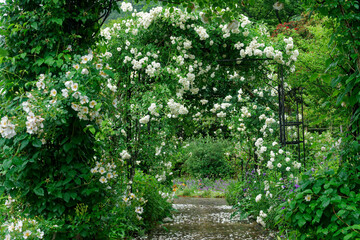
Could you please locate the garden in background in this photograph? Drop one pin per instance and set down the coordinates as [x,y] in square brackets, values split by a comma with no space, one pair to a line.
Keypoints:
[111,109]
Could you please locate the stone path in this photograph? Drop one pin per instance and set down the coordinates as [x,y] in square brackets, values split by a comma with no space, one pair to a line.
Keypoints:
[203,219]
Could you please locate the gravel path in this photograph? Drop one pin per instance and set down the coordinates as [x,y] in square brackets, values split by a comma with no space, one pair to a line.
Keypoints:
[203,219]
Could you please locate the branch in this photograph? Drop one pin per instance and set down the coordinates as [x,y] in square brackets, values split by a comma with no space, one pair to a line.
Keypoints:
[342,220]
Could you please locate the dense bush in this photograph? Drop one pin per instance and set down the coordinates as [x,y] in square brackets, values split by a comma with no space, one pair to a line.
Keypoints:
[325,206]
[233,192]
[157,205]
[206,158]
[146,203]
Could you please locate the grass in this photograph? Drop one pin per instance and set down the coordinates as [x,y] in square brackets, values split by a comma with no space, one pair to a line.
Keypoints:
[205,188]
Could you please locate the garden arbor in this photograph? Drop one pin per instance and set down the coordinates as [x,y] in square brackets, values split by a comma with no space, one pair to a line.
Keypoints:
[150,72]
[290,105]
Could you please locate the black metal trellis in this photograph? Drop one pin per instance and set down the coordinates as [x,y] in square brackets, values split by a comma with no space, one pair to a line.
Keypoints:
[291,115]
[291,108]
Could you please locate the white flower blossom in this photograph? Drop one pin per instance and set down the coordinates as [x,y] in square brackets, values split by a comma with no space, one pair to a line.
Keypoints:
[145,119]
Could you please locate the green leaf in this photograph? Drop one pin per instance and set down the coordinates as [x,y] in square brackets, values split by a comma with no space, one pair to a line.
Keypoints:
[341,212]
[288,215]
[39,62]
[39,191]
[34,25]
[73,195]
[109,72]
[78,181]
[49,60]
[98,106]
[6,164]
[66,197]
[319,213]
[3,52]
[345,190]
[307,217]
[302,207]
[336,199]
[350,78]
[301,222]
[24,144]
[66,181]
[316,189]
[92,129]
[37,143]
[17,161]
[325,203]
[59,62]
[329,191]
[58,194]
[9,184]
[67,147]
[2,141]
[351,236]
[299,196]
[57,20]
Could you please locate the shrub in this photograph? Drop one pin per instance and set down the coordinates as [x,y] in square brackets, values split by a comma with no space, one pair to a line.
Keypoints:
[232,192]
[158,200]
[326,206]
[206,158]
[137,207]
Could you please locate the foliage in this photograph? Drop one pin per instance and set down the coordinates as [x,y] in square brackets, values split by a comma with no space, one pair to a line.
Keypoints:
[21,228]
[125,105]
[51,148]
[259,194]
[346,59]
[140,209]
[175,67]
[200,187]
[47,156]
[206,158]
[139,6]
[322,149]
[233,192]
[14,225]
[326,205]
[39,39]
[157,206]
[312,36]
[272,12]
